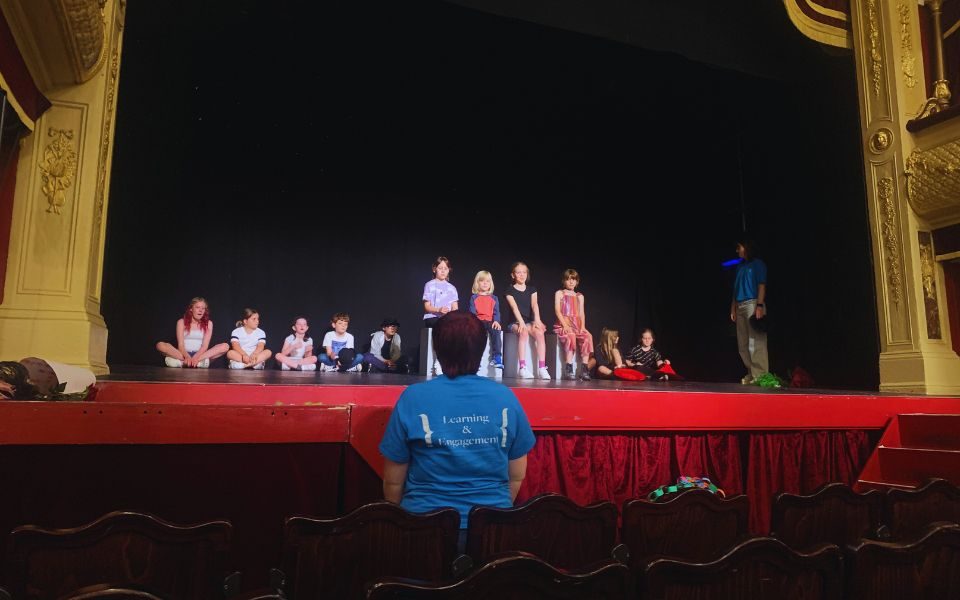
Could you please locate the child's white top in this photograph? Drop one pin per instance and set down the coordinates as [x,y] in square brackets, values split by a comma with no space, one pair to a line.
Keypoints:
[298,352]
[337,342]
[248,341]
[193,339]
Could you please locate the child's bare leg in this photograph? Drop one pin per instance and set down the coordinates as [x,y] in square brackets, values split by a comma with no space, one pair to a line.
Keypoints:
[288,362]
[236,356]
[213,353]
[541,343]
[168,350]
[262,357]
[522,337]
[310,360]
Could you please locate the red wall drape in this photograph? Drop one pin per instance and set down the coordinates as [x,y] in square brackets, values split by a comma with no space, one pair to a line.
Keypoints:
[591,467]
[8,186]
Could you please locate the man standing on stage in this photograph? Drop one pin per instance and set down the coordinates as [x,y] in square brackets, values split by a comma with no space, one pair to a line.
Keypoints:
[749,292]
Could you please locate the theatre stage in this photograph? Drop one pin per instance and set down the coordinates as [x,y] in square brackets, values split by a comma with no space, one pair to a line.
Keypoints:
[255,447]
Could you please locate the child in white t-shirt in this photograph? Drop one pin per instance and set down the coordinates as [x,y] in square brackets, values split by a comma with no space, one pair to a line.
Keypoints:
[297,353]
[339,353]
[248,343]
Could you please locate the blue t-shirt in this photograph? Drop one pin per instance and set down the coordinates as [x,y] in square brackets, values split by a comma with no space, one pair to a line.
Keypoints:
[750,274]
[457,436]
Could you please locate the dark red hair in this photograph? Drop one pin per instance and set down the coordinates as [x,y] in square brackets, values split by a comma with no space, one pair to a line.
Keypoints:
[188,316]
[459,339]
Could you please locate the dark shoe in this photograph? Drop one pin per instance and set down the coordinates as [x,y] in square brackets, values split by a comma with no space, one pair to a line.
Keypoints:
[568,373]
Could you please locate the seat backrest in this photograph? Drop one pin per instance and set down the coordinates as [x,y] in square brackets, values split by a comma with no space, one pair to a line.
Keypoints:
[756,568]
[907,513]
[695,525]
[519,576]
[928,567]
[834,514]
[110,592]
[122,548]
[551,527]
[335,558]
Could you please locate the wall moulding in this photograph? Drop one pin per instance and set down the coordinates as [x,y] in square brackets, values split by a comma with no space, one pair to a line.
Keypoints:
[52,212]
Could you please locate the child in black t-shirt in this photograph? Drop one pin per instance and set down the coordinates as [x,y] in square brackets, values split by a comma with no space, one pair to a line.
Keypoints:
[606,355]
[525,320]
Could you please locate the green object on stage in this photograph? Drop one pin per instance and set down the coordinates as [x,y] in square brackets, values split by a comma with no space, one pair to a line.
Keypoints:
[769,380]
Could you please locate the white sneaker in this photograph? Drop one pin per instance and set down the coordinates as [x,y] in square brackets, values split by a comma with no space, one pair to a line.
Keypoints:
[235,364]
[259,366]
[204,364]
[524,373]
[310,367]
[356,368]
[172,362]
[325,368]
[284,367]
[543,373]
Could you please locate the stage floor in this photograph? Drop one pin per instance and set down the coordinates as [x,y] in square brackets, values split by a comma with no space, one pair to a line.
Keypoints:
[550,405]
[270,377]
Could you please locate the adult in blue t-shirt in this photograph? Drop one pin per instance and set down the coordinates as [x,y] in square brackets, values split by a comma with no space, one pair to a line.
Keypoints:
[458,440]
[749,294]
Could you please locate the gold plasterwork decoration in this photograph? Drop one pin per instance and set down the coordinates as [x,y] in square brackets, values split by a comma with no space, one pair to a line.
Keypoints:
[933,180]
[891,239]
[58,168]
[818,30]
[876,58]
[880,140]
[105,141]
[908,62]
[102,167]
[928,277]
[83,21]
[63,42]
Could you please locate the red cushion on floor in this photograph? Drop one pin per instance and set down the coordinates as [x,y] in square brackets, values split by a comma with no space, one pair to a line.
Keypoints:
[628,374]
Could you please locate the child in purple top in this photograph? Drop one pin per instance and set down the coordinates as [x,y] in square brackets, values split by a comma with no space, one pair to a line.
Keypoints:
[439,295]
[439,298]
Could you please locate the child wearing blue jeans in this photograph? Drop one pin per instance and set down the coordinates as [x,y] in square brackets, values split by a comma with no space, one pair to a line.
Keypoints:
[338,350]
[487,308]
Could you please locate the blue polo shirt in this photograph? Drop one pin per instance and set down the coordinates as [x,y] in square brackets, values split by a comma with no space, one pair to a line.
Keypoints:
[457,436]
[750,274]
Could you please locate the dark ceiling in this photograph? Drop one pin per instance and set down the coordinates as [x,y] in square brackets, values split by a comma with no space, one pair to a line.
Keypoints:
[752,36]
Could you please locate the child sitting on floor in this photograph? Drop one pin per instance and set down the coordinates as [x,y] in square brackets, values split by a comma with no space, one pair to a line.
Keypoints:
[646,359]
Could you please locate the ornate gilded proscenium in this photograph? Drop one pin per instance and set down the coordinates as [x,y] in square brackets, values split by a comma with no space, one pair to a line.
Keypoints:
[59,168]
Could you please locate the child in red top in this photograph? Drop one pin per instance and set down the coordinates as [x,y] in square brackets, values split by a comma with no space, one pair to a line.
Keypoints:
[487,308]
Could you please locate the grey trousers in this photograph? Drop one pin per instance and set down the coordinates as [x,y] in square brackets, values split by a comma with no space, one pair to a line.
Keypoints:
[751,343]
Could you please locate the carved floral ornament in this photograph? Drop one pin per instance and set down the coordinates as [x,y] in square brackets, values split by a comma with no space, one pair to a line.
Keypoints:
[933,180]
[58,167]
[891,238]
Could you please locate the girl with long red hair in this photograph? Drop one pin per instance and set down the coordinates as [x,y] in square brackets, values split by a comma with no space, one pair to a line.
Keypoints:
[194,332]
